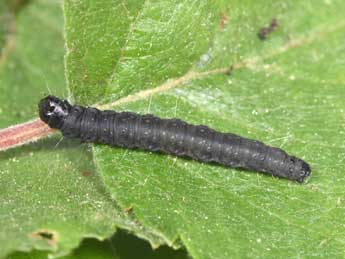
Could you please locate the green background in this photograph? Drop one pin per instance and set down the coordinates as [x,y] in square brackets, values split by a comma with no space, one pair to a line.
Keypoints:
[170,58]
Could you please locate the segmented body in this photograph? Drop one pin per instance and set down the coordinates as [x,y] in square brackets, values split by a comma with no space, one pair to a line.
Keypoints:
[176,137]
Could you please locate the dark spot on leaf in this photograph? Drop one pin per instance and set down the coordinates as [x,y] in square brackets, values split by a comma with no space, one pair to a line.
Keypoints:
[46,235]
[17,5]
[128,210]
[224,18]
[265,31]
[43,234]
[85,173]
[229,71]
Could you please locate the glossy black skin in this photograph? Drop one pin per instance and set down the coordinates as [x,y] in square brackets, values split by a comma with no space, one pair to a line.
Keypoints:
[53,111]
[170,136]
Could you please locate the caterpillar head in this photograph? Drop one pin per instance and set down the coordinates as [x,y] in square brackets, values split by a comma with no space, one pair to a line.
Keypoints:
[53,110]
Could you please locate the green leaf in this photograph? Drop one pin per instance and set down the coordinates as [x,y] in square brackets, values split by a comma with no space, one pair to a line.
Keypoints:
[133,44]
[43,190]
[288,91]
[50,194]
[90,248]
[4,20]
[119,246]
[29,65]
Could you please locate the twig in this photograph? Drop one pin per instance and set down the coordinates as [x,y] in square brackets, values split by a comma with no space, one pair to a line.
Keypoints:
[21,134]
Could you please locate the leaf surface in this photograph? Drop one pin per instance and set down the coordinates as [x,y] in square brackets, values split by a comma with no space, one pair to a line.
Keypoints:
[288,91]
[50,194]
[118,246]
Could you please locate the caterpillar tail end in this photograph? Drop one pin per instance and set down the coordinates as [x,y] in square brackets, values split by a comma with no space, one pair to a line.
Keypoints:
[304,172]
[294,169]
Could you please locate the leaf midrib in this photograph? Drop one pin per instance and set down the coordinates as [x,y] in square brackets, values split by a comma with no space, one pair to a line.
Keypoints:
[247,63]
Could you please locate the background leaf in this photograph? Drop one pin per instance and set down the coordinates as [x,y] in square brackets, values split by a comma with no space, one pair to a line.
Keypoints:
[119,246]
[42,188]
[146,43]
[50,195]
[287,91]
[171,59]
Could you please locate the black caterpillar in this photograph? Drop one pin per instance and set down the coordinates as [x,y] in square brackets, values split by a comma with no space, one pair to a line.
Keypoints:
[171,136]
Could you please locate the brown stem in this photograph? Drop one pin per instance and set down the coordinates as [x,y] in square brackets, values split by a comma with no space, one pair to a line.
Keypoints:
[21,134]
